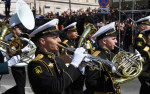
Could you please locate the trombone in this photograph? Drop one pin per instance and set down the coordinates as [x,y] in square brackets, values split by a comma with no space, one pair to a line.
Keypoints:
[93,60]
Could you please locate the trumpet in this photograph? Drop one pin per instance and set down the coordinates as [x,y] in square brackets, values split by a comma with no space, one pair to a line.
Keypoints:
[93,62]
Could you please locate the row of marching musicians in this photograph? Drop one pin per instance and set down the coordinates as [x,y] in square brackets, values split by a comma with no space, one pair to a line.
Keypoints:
[48,73]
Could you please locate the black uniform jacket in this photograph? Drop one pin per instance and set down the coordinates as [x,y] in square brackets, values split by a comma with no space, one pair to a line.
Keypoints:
[141,45]
[69,43]
[99,81]
[49,75]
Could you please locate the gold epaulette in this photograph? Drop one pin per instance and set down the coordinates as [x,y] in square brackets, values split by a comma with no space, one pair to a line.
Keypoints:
[141,36]
[65,42]
[147,50]
[96,53]
[38,57]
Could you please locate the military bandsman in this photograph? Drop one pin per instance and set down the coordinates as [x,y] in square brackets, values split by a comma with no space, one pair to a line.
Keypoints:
[47,72]
[142,44]
[99,81]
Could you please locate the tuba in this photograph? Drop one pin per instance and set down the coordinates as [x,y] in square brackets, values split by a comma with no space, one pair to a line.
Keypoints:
[25,16]
[4,30]
[88,28]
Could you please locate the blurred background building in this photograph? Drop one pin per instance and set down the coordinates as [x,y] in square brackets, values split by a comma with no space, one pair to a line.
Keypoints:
[45,6]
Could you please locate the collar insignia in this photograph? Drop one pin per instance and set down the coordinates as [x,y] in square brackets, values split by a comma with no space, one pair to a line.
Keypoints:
[51,65]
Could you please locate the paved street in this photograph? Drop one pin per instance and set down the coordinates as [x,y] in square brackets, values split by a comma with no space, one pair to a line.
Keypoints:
[7,82]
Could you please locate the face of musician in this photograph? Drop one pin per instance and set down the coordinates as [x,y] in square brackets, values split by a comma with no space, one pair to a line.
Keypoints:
[49,43]
[111,42]
[108,42]
[17,32]
[72,34]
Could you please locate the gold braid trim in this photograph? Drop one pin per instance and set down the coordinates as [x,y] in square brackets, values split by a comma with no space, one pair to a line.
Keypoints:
[96,53]
[111,32]
[90,47]
[46,66]
[65,42]
[147,50]
[141,36]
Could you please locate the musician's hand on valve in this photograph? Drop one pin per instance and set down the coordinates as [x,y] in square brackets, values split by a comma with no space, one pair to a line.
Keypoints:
[78,56]
[137,53]
[14,60]
[26,48]
[87,46]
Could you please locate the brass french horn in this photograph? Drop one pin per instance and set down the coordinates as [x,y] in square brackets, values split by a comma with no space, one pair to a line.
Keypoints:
[128,66]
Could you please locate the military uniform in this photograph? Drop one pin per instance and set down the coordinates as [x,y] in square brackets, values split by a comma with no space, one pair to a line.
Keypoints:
[99,82]
[48,73]
[68,42]
[27,23]
[141,44]
[19,73]
[144,49]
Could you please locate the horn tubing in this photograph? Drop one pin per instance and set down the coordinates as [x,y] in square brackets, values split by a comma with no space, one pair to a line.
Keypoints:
[120,48]
[89,56]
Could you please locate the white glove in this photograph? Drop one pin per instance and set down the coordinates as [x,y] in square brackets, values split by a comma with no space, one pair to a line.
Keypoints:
[14,60]
[113,69]
[87,60]
[78,56]
[137,53]
[87,46]
[26,48]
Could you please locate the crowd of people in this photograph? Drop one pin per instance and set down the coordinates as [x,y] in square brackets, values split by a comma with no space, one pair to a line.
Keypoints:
[53,71]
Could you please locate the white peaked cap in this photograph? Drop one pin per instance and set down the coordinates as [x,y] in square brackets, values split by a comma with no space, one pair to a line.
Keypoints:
[25,14]
[148,29]
[71,25]
[143,19]
[104,29]
[47,25]
[14,20]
